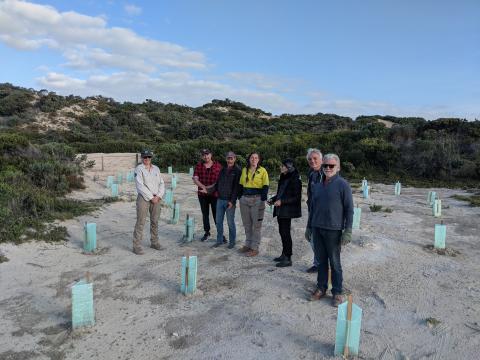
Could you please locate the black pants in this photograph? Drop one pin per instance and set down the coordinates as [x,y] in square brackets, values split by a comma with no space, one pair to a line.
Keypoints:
[284,226]
[327,249]
[205,201]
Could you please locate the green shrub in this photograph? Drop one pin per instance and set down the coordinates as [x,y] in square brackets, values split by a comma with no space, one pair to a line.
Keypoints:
[375,208]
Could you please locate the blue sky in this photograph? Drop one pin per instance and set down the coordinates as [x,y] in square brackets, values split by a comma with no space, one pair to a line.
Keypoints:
[350,57]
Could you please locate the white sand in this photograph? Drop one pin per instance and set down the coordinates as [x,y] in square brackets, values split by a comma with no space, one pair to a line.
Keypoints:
[245,307]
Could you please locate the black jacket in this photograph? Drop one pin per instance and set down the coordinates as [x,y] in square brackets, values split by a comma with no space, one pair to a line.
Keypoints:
[227,184]
[290,193]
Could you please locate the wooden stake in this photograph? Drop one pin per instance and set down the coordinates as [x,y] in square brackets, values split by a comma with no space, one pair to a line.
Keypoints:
[349,319]
[329,277]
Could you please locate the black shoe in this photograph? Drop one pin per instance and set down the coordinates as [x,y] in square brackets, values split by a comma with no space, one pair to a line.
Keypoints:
[205,237]
[280,258]
[231,246]
[285,262]
[216,245]
[224,239]
[312,270]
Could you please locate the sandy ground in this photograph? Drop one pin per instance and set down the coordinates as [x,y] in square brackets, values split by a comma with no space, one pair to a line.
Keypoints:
[245,308]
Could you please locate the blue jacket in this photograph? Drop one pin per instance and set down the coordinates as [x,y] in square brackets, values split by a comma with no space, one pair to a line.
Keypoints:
[331,205]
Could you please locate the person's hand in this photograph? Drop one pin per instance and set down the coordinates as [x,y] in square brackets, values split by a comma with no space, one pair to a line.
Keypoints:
[346,237]
[230,205]
[203,191]
[308,234]
[155,199]
[277,203]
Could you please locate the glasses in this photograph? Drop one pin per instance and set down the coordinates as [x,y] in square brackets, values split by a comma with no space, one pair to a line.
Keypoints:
[147,157]
[230,158]
[330,166]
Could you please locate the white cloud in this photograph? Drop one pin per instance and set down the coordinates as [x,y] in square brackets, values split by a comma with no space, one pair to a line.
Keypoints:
[29,26]
[174,87]
[322,102]
[132,10]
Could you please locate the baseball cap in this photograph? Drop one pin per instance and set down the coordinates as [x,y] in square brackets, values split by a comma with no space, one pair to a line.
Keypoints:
[146,153]
[206,151]
[230,154]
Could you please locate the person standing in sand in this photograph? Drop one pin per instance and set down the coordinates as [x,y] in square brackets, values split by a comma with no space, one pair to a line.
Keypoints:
[205,174]
[314,158]
[150,188]
[331,211]
[254,184]
[227,186]
[288,205]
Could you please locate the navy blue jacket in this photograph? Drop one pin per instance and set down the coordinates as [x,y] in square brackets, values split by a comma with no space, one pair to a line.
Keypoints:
[331,205]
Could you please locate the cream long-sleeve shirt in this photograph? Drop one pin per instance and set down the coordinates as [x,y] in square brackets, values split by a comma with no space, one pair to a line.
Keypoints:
[149,182]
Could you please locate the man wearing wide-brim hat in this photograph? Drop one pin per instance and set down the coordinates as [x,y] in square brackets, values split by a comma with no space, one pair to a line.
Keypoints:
[150,189]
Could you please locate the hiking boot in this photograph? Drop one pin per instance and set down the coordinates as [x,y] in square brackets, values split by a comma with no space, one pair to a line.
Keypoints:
[138,251]
[205,237]
[231,246]
[287,261]
[244,249]
[337,300]
[156,246]
[312,269]
[280,258]
[251,253]
[216,245]
[318,294]
[224,239]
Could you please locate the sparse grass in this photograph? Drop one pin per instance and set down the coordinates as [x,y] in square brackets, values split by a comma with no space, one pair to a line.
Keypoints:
[474,200]
[375,208]
[3,258]
[388,210]
[432,322]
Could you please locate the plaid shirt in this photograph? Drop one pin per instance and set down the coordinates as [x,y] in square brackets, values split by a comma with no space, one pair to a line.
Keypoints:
[207,176]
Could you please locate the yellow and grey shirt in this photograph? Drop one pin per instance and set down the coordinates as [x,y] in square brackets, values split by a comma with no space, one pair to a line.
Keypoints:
[149,182]
[255,183]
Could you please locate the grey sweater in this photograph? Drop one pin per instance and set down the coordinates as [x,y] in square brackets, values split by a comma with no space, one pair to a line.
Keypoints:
[331,205]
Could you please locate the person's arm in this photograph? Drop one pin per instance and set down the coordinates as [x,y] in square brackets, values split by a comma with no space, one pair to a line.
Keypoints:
[266,183]
[347,206]
[141,188]
[195,178]
[235,189]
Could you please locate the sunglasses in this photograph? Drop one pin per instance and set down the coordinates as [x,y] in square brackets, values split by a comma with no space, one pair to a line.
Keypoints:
[330,166]
[147,157]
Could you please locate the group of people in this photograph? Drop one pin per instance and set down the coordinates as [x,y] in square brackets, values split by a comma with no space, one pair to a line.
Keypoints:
[329,204]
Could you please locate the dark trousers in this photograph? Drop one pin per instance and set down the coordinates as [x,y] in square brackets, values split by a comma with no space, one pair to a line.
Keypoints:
[327,248]
[205,202]
[284,226]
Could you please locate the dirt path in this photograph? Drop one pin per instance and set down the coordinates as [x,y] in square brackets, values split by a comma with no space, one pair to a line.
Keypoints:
[245,307]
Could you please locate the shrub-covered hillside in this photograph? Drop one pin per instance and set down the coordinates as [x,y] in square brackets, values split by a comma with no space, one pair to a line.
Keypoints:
[379,147]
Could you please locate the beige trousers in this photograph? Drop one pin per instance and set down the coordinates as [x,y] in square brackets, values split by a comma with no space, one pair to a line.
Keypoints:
[252,209]
[143,208]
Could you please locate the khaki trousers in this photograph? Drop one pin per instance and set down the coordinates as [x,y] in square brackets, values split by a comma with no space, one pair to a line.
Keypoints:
[143,208]
[252,209]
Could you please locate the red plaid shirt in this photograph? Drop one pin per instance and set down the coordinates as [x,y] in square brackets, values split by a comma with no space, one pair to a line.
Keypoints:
[207,176]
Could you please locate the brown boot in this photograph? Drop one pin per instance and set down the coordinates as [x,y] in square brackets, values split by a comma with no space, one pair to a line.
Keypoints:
[251,253]
[244,249]
[156,246]
[318,294]
[337,300]
[138,251]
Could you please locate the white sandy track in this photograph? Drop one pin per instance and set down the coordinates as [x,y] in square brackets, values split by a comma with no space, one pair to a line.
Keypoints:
[245,307]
